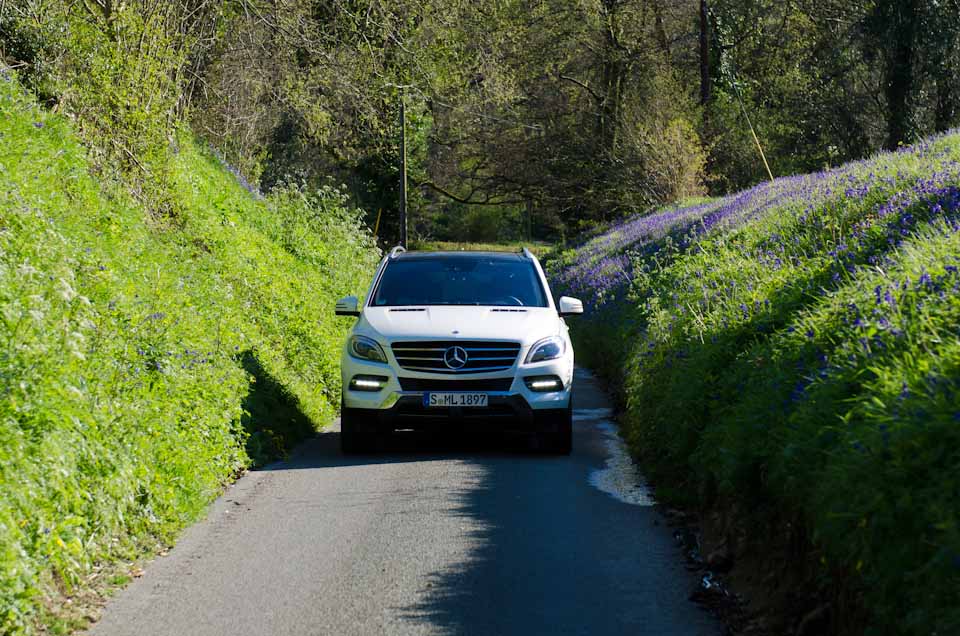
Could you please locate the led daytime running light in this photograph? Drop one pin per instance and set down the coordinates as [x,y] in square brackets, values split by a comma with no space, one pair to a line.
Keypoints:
[368,383]
[544,384]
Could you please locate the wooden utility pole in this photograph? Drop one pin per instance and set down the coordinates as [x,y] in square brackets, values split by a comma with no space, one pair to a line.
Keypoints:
[403,171]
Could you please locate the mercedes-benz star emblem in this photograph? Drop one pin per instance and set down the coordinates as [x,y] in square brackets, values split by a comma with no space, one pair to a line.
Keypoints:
[455,357]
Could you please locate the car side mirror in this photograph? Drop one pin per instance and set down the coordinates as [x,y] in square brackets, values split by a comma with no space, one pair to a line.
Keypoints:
[569,306]
[348,306]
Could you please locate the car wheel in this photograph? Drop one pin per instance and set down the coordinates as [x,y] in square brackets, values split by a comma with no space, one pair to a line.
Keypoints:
[560,440]
[353,441]
[563,438]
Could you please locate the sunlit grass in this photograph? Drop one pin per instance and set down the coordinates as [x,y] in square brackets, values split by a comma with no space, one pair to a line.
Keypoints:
[127,341]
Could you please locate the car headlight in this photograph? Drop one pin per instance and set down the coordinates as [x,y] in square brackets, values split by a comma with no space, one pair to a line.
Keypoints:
[547,349]
[364,348]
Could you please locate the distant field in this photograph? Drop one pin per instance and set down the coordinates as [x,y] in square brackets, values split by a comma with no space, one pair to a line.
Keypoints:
[539,248]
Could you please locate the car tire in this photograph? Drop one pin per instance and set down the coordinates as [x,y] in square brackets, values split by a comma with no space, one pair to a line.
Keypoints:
[560,441]
[563,442]
[353,441]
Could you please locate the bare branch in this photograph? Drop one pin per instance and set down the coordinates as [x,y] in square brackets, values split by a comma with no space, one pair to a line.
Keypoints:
[593,93]
[469,200]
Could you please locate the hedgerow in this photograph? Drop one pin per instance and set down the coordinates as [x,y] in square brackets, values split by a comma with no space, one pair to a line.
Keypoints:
[794,351]
[145,361]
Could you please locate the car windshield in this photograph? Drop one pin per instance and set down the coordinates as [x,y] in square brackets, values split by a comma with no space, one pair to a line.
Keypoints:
[460,280]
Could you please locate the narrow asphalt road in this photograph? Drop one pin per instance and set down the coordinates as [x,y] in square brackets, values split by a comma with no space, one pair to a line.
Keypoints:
[429,537]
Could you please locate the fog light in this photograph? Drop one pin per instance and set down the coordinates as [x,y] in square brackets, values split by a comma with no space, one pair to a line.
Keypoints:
[544,383]
[369,383]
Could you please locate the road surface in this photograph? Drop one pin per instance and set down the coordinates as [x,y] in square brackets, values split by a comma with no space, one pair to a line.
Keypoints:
[428,537]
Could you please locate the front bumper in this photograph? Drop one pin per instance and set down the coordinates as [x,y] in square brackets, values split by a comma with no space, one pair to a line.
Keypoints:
[518,397]
[505,413]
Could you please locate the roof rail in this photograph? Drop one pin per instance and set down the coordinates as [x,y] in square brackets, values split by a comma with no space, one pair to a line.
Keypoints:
[527,253]
[399,249]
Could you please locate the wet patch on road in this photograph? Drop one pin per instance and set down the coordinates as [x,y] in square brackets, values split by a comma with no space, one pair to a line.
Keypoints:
[620,478]
[580,415]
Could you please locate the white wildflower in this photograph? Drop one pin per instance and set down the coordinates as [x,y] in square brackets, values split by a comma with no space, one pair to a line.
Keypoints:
[11,314]
[65,290]
[75,341]
[26,270]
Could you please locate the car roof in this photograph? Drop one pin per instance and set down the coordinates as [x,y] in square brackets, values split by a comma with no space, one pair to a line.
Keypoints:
[424,256]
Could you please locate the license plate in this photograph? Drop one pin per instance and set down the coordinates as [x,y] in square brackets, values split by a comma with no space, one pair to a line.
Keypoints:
[471,400]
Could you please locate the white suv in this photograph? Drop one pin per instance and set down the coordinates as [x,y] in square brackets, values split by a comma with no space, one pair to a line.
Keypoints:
[458,340]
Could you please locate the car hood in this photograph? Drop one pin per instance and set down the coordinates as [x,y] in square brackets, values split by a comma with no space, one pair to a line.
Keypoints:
[525,325]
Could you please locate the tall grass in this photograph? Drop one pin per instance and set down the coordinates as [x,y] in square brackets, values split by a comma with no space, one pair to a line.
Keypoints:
[131,345]
[795,350]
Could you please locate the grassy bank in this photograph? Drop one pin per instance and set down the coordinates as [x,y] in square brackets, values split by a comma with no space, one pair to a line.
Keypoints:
[147,359]
[792,353]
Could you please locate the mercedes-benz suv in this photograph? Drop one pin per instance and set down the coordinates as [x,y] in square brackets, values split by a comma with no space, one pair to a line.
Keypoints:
[454,341]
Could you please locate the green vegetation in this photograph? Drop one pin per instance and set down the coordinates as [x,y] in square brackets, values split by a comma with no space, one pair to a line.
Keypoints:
[791,353]
[134,343]
[537,248]
[524,120]
[793,348]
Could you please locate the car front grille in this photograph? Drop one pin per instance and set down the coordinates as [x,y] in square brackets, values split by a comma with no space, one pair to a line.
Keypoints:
[431,356]
[420,384]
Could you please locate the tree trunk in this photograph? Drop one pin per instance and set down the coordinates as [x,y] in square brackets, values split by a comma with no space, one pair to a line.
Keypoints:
[705,87]
[612,73]
[947,110]
[900,78]
[660,30]
[612,96]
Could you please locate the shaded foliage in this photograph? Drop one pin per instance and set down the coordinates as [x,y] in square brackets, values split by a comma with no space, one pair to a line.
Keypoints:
[562,114]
